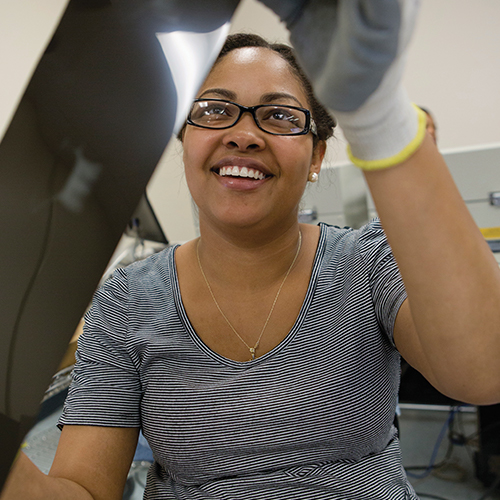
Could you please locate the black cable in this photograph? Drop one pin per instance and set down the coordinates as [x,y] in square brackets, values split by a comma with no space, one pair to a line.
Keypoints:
[484,429]
[26,295]
[431,466]
[443,462]
[459,438]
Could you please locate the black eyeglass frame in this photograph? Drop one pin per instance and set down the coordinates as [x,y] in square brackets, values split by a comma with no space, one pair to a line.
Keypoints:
[310,125]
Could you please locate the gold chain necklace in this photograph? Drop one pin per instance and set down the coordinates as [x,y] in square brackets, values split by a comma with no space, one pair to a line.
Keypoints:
[254,348]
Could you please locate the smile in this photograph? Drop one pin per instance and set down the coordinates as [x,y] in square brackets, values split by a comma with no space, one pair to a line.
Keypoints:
[235,171]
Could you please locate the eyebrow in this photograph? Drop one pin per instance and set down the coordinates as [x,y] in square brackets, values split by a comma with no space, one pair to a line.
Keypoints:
[228,94]
[264,99]
[278,96]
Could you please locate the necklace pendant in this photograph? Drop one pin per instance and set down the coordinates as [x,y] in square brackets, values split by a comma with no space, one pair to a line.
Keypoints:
[252,349]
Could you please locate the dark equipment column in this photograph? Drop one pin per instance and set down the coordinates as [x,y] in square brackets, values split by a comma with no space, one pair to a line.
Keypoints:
[74,163]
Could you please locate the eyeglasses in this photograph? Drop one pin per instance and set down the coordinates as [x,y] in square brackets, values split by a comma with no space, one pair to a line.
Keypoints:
[271,118]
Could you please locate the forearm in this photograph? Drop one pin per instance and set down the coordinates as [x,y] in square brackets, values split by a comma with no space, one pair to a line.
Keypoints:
[26,481]
[451,276]
[451,329]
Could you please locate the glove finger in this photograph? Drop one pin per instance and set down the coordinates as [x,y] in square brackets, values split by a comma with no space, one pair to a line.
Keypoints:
[288,11]
[364,47]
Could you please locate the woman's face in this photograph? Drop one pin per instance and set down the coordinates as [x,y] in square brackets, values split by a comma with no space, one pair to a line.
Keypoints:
[249,76]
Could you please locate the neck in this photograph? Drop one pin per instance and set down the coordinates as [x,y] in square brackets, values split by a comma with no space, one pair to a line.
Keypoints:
[253,261]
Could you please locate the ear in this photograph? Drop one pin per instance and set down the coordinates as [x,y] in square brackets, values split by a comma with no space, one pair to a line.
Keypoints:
[317,157]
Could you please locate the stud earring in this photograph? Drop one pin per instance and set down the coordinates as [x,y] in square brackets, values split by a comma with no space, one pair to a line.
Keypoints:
[313,177]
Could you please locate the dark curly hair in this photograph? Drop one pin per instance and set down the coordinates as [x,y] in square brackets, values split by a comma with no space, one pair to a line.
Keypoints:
[325,123]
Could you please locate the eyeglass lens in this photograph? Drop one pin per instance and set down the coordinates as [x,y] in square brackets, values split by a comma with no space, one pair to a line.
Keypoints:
[271,118]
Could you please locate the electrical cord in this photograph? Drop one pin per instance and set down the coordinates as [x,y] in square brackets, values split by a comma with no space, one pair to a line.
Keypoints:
[472,444]
[460,438]
[454,438]
[29,288]
[449,470]
[431,466]
[443,462]
[488,428]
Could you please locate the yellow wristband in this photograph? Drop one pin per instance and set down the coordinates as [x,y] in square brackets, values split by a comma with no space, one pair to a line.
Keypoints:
[400,157]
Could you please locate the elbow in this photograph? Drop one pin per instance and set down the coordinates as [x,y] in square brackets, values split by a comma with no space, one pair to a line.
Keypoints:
[481,393]
[485,397]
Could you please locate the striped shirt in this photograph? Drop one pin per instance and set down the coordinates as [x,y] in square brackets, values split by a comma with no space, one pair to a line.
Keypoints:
[311,419]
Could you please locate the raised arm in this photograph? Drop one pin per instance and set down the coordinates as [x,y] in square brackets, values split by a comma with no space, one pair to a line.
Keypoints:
[91,463]
[449,327]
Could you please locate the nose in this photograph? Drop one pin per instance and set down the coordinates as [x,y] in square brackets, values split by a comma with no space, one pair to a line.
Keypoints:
[245,135]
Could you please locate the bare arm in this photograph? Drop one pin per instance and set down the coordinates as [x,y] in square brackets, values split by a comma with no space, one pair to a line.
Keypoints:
[449,328]
[27,481]
[91,463]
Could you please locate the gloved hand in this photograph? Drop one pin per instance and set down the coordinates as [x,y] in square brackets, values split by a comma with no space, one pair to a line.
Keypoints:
[354,52]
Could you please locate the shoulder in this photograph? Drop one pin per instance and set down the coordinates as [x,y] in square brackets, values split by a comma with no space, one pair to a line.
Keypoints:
[363,252]
[139,279]
[154,268]
[349,240]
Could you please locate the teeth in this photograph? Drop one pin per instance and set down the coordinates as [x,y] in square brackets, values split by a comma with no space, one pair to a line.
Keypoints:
[241,172]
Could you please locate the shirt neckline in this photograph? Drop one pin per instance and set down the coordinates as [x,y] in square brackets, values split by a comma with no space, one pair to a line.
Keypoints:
[320,250]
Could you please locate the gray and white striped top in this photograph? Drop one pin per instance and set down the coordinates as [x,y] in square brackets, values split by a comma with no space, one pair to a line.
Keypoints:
[311,419]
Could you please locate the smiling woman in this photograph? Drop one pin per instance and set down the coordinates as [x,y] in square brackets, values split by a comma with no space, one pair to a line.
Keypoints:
[261,360]
[253,84]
